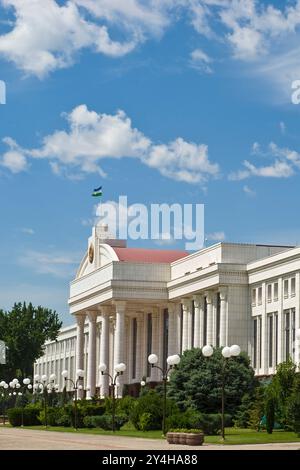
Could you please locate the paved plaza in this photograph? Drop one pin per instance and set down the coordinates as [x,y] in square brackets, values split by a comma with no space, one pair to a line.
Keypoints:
[27,439]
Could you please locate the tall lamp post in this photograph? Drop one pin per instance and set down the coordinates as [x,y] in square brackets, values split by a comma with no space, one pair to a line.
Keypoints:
[172,361]
[227,353]
[4,395]
[76,386]
[45,388]
[119,369]
[26,386]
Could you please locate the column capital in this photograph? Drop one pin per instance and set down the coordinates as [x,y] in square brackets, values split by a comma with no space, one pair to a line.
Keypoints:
[209,296]
[105,310]
[223,293]
[198,299]
[120,305]
[186,303]
[92,316]
[80,318]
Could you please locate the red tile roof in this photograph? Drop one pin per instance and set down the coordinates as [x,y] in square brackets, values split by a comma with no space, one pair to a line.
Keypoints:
[142,255]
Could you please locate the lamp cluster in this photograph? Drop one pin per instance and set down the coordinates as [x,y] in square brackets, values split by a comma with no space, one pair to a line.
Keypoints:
[15,386]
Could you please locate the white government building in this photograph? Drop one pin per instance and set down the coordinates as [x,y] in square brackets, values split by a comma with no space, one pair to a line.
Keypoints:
[130,302]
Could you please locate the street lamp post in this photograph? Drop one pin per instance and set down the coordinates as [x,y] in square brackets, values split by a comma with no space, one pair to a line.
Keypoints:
[76,386]
[4,395]
[227,353]
[45,388]
[172,361]
[119,369]
[26,385]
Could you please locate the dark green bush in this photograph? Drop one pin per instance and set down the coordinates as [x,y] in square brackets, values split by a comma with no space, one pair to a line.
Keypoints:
[104,422]
[30,416]
[63,420]
[52,416]
[147,411]
[191,419]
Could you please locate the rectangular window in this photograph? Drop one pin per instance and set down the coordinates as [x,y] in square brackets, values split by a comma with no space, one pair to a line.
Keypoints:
[270,335]
[165,335]
[276,338]
[205,322]
[218,319]
[253,297]
[134,343]
[149,341]
[255,343]
[181,326]
[260,343]
[193,324]
[269,293]
[287,335]
[275,291]
[293,313]
[285,288]
[293,287]
[259,295]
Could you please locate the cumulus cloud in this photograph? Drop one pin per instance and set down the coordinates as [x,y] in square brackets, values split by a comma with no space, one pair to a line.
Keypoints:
[47,35]
[92,137]
[201,61]
[278,169]
[216,236]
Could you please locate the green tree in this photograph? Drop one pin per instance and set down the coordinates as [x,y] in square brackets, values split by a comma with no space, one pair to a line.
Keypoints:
[282,386]
[257,410]
[293,407]
[270,412]
[196,382]
[25,329]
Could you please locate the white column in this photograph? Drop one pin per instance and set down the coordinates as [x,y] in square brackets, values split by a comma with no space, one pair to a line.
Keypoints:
[223,309]
[104,351]
[155,342]
[172,336]
[91,375]
[119,341]
[79,347]
[209,318]
[139,347]
[185,324]
[197,327]
[280,353]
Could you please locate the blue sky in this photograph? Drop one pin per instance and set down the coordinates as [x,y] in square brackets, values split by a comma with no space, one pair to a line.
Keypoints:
[216,75]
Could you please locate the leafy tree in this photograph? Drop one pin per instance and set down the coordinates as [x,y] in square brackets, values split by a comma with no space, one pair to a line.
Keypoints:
[282,386]
[196,382]
[293,407]
[242,415]
[257,410]
[25,329]
[270,412]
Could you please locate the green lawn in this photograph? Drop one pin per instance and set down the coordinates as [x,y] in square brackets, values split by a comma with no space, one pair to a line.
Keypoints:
[233,435]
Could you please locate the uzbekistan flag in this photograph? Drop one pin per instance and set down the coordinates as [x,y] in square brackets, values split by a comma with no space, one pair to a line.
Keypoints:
[97,192]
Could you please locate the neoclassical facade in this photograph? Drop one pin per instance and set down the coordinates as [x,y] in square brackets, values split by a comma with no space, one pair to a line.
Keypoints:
[128,303]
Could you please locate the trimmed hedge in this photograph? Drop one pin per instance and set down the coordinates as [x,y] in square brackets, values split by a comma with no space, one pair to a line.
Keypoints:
[104,422]
[30,416]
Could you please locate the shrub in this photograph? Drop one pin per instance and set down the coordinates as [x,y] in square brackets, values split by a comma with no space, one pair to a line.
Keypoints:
[270,414]
[152,404]
[63,420]
[30,416]
[145,422]
[210,423]
[104,422]
[52,416]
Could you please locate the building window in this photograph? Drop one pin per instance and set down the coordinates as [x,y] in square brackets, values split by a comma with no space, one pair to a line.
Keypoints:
[293,287]
[276,291]
[270,339]
[286,288]
[149,341]
[259,295]
[255,343]
[287,325]
[253,297]
[181,327]
[165,335]
[276,337]
[260,343]
[134,344]
[205,322]
[218,319]
[269,293]
[193,324]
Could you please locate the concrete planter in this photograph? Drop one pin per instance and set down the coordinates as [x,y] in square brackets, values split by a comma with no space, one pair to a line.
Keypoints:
[196,439]
[184,438]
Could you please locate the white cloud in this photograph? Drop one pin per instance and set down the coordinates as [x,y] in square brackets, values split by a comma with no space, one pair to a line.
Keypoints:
[279,169]
[47,35]
[282,127]
[92,137]
[250,192]
[28,231]
[201,61]
[216,236]
[57,264]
